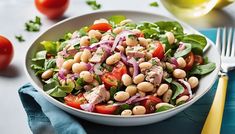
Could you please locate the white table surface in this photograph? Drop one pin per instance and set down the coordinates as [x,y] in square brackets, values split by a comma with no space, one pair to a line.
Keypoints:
[13,15]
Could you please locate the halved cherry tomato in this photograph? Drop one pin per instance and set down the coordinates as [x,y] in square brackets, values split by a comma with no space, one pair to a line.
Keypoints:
[109,80]
[150,103]
[75,101]
[141,34]
[198,60]
[105,109]
[189,61]
[53,9]
[101,27]
[119,70]
[159,51]
[6,52]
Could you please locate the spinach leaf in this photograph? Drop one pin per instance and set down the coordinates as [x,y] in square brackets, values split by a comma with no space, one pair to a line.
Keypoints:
[41,55]
[57,92]
[164,108]
[50,47]
[50,63]
[112,91]
[121,108]
[68,88]
[202,69]
[52,88]
[178,88]
[170,26]
[116,19]
[164,40]
[198,42]
[169,80]
[80,82]
[83,31]
[154,4]
[183,52]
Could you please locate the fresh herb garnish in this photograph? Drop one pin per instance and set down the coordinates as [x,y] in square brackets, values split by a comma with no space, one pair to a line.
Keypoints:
[154,4]
[93,4]
[33,26]
[20,38]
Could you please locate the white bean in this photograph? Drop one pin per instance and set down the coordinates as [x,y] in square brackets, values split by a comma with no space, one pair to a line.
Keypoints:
[139,78]
[179,73]
[78,67]
[136,31]
[167,96]
[143,42]
[139,110]
[181,62]
[68,64]
[77,57]
[126,80]
[142,94]
[131,89]
[126,112]
[121,48]
[162,89]
[170,37]
[101,20]
[145,87]
[145,65]
[117,30]
[113,59]
[131,40]
[47,74]
[183,98]
[94,34]
[193,81]
[86,55]
[121,96]
[84,41]
[86,76]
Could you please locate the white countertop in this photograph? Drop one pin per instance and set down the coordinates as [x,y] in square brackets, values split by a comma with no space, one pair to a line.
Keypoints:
[14,13]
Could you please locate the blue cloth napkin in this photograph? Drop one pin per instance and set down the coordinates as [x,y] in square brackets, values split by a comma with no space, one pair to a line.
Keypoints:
[43,117]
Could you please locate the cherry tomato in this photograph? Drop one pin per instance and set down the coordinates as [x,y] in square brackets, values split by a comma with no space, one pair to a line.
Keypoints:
[75,101]
[6,52]
[109,80]
[141,34]
[189,61]
[53,9]
[105,109]
[159,51]
[150,103]
[101,27]
[198,60]
[119,70]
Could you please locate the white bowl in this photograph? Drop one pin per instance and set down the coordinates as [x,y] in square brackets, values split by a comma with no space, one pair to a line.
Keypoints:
[72,24]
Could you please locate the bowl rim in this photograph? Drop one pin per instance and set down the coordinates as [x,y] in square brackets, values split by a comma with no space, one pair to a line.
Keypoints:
[45,95]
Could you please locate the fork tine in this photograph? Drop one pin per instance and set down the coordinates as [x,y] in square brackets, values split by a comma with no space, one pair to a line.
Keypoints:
[223,42]
[233,45]
[218,40]
[229,42]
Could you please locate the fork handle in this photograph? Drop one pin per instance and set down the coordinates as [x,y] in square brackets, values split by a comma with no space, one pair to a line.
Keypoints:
[215,116]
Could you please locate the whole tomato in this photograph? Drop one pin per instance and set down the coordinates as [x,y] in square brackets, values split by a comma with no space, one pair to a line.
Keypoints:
[53,9]
[6,52]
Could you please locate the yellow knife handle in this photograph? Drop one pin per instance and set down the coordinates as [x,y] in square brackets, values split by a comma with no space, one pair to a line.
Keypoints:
[215,116]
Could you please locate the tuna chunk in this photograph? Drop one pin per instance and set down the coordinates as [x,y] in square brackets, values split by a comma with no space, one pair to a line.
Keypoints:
[136,51]
[154,75]
[99,56]
[96,95]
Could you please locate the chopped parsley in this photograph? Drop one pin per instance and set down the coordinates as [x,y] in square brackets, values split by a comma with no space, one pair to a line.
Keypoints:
[154,4]
[33,25]
[20,38]
[93,4]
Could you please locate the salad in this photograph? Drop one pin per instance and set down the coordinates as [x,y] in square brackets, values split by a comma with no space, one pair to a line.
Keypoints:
[116,66]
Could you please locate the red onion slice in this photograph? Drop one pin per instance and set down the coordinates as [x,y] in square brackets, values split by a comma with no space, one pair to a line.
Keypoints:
[62,74]
[174,61]
[120,37]
[135,66]
[187,85]
[124,58]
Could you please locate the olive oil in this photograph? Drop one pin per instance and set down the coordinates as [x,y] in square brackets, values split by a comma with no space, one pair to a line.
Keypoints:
[189,8]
